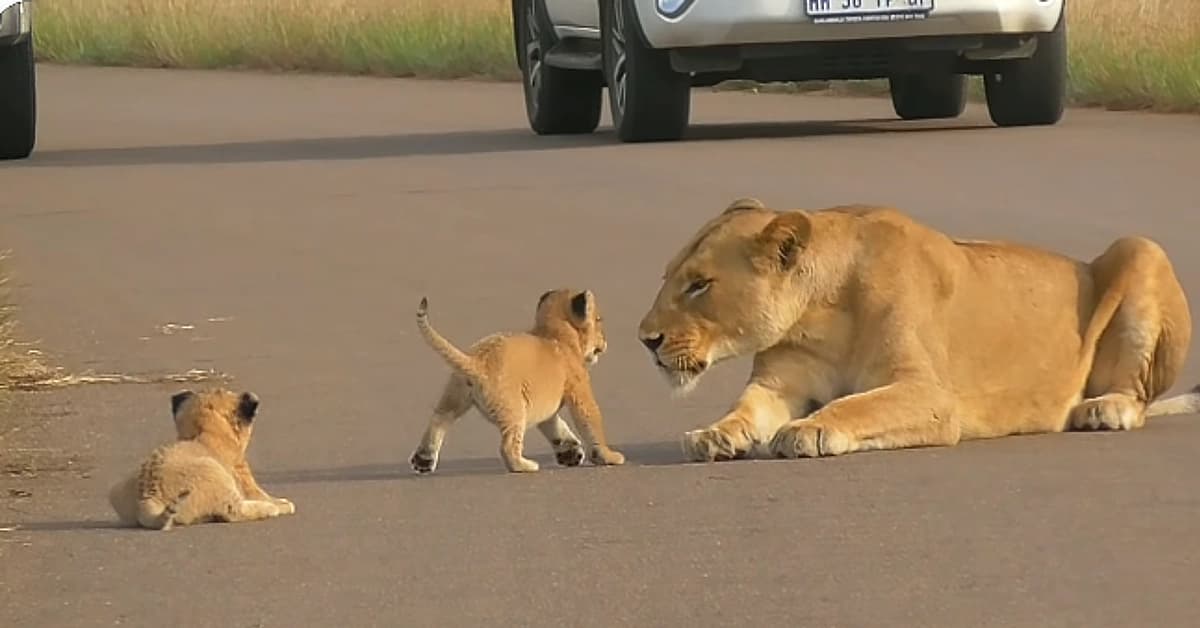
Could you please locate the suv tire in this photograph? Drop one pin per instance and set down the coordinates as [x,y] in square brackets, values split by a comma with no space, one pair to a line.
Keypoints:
[649,101]
[1033,91]
[18,101]
[557,101]
[926,96]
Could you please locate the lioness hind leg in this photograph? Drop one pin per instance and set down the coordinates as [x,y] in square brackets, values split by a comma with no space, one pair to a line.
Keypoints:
[454,402]
[568,449]
[1141,351]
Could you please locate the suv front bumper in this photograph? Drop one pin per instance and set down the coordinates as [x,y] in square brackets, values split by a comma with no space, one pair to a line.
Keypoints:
[736,22]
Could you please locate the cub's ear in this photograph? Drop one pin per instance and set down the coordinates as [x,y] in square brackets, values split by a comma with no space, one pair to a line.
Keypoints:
[779,243]
[177,400]
[746,202]
[248,406]
[582,305]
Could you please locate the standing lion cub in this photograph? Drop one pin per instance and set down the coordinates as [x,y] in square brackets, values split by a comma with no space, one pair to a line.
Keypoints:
[518,379]
[203,475]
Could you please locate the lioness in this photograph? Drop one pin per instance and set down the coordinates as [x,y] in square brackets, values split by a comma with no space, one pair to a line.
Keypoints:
[515,379]
[203,475]
[870,331]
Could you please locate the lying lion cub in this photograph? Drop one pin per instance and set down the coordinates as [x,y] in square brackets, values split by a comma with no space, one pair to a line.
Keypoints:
[202,476]
[515,379]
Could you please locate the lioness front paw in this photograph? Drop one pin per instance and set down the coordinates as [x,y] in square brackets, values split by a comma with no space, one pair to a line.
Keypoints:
[1110,412]
[423,461]
[285,505]
[715,444]
[606,456]
[806,438]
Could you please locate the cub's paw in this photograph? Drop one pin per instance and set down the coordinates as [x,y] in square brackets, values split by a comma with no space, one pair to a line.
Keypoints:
[423,461]
[285,505]
[522,465]
[569,453]
[605,456]
[806,438]
[715,444]
[1107,413]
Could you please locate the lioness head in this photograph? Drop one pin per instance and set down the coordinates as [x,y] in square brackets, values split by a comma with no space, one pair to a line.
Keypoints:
[215,414]
[578,310]
[735,288]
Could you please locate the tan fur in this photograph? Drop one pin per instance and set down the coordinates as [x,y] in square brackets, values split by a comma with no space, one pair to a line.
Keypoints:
[870,330]
[519,379]
[203,475]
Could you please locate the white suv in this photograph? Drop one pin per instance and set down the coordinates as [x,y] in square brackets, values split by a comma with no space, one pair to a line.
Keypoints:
[649,53]
[18,103]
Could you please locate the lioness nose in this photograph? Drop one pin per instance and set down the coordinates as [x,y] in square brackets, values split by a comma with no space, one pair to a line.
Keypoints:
[653,342]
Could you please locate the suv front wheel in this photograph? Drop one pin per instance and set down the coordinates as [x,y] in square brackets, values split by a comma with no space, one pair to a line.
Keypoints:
[1033,91]
[649,101]
[18,100]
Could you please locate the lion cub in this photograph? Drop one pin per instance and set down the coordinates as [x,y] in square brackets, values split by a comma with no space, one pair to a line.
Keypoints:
[518,379]
[203,475]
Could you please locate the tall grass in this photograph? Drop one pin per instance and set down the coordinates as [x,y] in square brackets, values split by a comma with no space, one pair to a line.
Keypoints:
[1124,54]
[1143,54]
[430,38]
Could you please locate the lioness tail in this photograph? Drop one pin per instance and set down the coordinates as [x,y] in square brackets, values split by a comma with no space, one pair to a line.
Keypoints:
[1185,403]
[457,360]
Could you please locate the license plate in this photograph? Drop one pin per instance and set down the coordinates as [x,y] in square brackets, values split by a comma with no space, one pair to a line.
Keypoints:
[856,11]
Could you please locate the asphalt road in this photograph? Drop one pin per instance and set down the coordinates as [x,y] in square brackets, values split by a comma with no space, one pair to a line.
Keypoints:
[295,222]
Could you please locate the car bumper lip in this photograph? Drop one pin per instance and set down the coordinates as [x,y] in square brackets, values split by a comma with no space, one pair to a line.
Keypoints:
[724,22]
[16,22]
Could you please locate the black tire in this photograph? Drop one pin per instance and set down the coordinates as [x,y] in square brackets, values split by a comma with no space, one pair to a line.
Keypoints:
[1033,91]
[18,101]
[557,101]
[928,96]
[649,101]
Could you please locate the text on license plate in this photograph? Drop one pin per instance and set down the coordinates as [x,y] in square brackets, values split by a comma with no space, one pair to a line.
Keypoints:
[838,11]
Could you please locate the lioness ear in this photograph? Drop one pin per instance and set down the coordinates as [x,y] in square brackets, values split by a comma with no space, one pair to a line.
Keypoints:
[582,305]
[782,240]
[177,400]
[746,202]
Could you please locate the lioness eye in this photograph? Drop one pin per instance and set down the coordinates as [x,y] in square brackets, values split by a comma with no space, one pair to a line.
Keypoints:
[696,288]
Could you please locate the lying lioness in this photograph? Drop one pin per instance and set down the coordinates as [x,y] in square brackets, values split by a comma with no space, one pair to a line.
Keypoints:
[872,331]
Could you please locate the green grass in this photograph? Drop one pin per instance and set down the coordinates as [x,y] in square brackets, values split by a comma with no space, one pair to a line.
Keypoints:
[1123,55]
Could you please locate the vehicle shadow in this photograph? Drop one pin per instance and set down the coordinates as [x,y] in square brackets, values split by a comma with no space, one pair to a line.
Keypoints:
[455,143]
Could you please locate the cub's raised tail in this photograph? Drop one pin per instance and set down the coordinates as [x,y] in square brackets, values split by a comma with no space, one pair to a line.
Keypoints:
[453,356]
[1185,403]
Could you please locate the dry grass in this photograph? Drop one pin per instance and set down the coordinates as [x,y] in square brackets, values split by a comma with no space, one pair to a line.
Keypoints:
[1123,54]
[432,38]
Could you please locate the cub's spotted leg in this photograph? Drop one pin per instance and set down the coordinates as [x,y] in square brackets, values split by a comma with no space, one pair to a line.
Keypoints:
[454,402]
[512,447]
[252,510]
[585,413]
[568,450]
[1141,350]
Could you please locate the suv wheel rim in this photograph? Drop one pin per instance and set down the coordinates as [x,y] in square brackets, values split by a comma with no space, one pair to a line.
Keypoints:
[617,45]
[533,53]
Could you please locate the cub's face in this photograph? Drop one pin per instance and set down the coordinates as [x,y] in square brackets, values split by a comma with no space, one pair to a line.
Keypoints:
[579,310]
[215,412]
